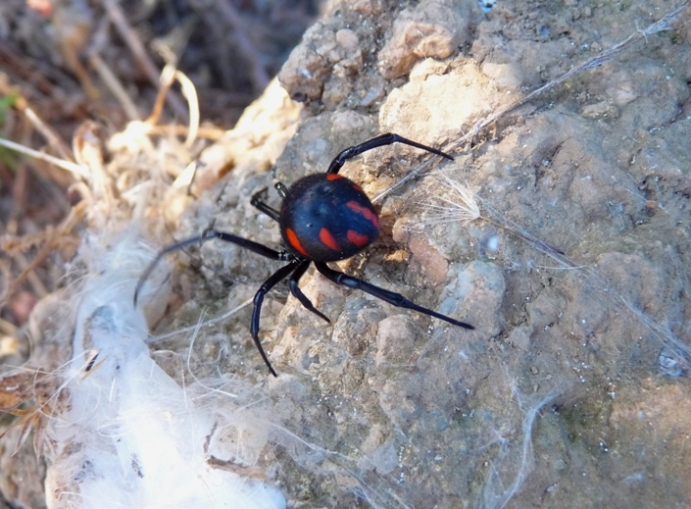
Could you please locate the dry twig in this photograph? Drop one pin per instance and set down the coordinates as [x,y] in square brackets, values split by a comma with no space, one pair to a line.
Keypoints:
[137,48]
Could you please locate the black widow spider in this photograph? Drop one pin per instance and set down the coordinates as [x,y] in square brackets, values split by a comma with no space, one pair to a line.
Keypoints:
[324,217]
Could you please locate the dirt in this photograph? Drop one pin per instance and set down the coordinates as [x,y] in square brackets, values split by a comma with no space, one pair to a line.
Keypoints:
[570,392]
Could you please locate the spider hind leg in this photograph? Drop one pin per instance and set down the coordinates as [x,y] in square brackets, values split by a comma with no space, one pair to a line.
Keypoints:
[297,292]
[265,288]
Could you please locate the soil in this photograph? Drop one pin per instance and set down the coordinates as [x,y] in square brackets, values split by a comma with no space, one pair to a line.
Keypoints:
[572,389]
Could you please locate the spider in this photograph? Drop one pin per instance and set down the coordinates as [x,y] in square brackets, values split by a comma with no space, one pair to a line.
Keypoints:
[324,217]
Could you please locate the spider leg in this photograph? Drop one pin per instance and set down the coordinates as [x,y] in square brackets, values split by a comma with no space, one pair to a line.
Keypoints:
[379,141]
[209,234]
[258,203]
[393,298]
[265,288]
[297,293]
[281,188]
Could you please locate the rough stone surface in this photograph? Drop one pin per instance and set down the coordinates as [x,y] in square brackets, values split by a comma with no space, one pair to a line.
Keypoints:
[411,412]
[570,392]
[431,29]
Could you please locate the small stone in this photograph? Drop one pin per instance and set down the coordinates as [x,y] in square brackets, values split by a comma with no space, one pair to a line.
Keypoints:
[431,30]
[347,39]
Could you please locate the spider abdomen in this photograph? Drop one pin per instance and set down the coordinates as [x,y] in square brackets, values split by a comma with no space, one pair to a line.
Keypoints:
[327,217]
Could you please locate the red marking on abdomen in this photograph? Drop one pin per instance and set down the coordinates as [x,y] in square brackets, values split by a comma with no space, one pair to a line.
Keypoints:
[328,239]
[334,176]
[295,242]
[368,213]
[358,239]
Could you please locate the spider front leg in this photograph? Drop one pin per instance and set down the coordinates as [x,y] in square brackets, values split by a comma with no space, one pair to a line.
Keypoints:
[393,298]
[379,141]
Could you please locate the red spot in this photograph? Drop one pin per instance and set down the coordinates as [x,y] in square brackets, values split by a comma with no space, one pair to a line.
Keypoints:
[295,243]
[328,239]
[333,176]
[358,239]
[43,7]
[369,214]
